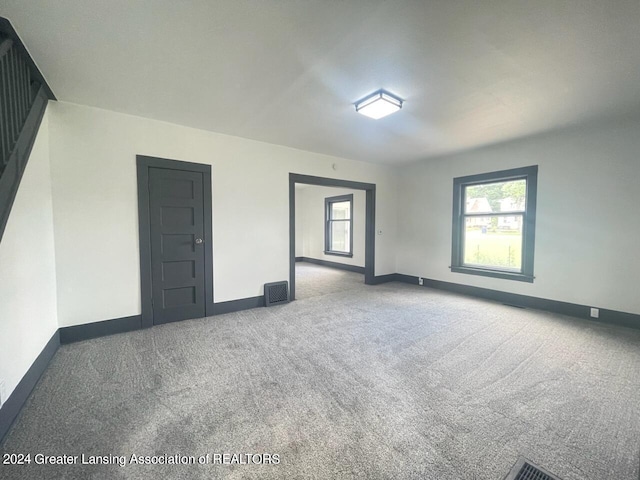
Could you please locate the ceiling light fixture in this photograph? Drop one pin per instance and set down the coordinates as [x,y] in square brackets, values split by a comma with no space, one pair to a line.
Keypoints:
[379,104]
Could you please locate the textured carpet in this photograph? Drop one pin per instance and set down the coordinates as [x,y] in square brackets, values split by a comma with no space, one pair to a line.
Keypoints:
[392,381]
[314,280]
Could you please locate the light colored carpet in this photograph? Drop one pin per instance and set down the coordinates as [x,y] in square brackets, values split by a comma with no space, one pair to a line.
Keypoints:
[392,381]
[315,280]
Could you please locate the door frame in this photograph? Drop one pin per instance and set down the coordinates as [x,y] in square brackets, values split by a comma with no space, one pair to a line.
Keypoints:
[369,229]
[144,163]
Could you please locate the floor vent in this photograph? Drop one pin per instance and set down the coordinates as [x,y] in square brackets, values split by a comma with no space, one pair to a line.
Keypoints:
[527,470]
[276,293]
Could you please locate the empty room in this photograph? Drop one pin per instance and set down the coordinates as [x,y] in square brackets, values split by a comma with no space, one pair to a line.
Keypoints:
[329,240]
[320,239]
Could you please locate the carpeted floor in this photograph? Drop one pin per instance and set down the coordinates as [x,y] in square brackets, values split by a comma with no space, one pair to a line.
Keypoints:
[392,381]
[314,280]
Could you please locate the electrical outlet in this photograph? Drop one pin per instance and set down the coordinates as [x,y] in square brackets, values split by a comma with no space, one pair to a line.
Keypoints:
[420,281]
[595,313]
[3,393]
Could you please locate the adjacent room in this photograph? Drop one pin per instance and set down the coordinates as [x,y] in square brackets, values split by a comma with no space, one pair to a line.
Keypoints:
[329,239]
[320,239]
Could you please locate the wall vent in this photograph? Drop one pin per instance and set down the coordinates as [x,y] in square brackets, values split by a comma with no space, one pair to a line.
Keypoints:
[527,470]
[276,293]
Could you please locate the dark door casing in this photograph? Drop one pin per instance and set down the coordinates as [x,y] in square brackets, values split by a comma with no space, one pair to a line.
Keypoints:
[369,229]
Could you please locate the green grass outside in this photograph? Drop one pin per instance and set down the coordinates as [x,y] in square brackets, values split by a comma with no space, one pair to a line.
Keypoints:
[494,248]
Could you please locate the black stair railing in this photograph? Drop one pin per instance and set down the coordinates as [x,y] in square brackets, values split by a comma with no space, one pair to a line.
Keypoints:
[23,99]
[17,95]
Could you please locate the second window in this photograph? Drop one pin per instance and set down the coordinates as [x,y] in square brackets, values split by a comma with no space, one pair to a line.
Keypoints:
[338,238]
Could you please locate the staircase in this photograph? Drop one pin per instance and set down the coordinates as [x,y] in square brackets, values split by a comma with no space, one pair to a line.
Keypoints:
[23,99]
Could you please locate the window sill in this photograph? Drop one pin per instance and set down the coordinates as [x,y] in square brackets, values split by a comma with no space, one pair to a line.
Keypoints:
[518,277]
[339,254]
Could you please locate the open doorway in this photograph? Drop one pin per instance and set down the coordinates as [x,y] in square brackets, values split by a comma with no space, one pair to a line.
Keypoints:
[332,227]
[330,239]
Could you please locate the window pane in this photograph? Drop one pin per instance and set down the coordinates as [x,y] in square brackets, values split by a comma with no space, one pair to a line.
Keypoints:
[496,197]
[340,237]
[493,241]
[340,210]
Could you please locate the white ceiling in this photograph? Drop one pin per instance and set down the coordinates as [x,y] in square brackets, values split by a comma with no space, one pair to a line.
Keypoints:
[288,71]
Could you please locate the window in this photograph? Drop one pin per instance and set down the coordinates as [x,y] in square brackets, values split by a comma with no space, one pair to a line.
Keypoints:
[494,216]
[338,222]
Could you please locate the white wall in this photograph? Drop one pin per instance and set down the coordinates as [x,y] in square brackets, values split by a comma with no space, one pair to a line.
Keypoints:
[93,163]
[28,308]
[310,212]
[588,225]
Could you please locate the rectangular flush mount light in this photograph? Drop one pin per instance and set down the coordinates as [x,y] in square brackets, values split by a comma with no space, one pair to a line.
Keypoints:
[379,104]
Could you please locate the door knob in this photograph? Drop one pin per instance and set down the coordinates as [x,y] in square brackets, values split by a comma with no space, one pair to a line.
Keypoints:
[198,241]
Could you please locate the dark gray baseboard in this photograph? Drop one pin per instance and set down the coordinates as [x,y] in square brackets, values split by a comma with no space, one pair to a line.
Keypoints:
[237,305]
[572,309]
[391,277]
[87,331]
[327,263]
[12,406]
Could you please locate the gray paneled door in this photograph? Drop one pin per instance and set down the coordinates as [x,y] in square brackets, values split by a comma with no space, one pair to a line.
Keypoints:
[176,211]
